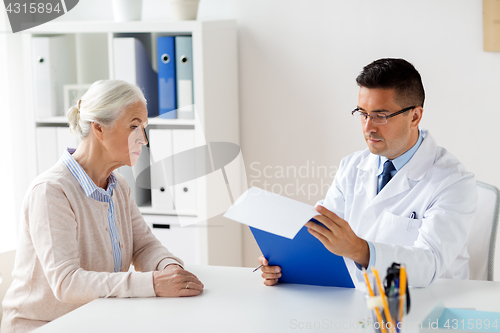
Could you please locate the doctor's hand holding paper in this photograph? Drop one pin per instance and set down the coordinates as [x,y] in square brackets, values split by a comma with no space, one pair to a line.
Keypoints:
[338,237]
[404,199]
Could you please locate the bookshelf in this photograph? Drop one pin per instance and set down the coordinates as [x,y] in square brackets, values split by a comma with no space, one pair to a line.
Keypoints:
[214,240]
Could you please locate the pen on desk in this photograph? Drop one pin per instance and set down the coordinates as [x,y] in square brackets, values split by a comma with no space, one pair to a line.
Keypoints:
[257,268]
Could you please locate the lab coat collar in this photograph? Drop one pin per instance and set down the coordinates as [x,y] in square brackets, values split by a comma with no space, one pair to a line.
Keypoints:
[423,159]
[415,170]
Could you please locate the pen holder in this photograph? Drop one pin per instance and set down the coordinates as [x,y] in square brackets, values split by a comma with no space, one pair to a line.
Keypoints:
[388,317]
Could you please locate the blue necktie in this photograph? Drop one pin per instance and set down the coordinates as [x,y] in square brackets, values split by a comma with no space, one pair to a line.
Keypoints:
[386,173]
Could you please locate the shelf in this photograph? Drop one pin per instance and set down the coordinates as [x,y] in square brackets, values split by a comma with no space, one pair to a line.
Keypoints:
[171,122]
[212,239]
[63,121]
[136,26]
[148,210]
[59,120]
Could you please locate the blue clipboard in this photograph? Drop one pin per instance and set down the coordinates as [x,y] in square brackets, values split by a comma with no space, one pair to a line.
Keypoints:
[303,259]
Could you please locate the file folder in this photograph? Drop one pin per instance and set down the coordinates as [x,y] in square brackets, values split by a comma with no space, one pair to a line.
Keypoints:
[161,169]
[46,148]
[184,193]
[221,166]
[142,192]
[132,64]
[167,94]
[303,259]
[184,69]
[184,242]
[65,140]
[54,65]
[277,223]
[443,319]
[52,142]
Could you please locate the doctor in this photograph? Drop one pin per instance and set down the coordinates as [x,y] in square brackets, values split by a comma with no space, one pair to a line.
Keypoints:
[404,199]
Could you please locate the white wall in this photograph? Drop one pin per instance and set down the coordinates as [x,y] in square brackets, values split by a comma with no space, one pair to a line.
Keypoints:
[298,60]
[13,182]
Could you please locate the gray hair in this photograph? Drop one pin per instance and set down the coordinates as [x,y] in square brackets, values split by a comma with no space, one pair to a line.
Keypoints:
[103,103]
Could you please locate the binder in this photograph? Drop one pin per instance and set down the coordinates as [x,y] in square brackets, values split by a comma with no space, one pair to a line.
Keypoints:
[184,69]
[128,174]
[65,140]
[54,65]
[46,148]
[167,94]
[184,192]
[182,242]
[52,142]
[161,169]
[277,224]
[132,64]
[323,267]
[140,189]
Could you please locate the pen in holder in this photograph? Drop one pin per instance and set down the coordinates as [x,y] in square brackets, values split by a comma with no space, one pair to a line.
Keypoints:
[388,304]
[381,323]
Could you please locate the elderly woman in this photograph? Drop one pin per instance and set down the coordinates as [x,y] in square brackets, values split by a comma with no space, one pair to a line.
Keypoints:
[80,227]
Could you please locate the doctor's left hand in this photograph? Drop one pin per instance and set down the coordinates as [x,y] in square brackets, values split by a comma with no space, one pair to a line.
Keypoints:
[338,237]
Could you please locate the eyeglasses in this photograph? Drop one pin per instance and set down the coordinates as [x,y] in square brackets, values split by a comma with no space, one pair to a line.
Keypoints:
[377,118]
[146,136]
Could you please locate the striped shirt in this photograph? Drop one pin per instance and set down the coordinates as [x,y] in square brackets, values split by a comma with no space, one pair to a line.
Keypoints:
[99,194]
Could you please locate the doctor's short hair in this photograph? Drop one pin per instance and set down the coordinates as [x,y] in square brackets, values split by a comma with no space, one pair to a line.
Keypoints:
[399,74]
[103,103]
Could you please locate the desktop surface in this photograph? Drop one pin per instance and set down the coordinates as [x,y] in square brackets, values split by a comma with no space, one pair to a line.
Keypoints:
[236,300]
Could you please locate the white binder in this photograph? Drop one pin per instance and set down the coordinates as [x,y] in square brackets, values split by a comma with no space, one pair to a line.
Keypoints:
[54,65]
[182,242]
[184,193]
[52,142]
[65,140]
[46,148]
[160,144]
[124,59]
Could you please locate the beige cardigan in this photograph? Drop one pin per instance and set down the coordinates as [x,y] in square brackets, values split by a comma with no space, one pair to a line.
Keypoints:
[64,257]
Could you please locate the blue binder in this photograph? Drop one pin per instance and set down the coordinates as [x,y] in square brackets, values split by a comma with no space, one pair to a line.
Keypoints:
[303,259]
[167,94]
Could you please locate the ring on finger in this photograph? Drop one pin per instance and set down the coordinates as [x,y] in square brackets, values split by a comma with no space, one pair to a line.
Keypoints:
[187,285]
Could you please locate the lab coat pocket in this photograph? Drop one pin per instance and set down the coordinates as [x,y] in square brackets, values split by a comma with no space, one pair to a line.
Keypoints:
[399,230]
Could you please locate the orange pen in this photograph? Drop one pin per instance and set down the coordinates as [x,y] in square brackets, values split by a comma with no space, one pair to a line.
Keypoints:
[402,288]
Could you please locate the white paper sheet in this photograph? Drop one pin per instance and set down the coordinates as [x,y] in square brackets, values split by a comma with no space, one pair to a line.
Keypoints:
[271,212]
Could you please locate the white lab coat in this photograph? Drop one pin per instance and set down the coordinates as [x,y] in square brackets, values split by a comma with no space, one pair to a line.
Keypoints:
[434,185]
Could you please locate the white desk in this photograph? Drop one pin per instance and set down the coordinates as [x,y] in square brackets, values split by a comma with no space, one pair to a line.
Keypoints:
[236,300]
